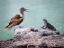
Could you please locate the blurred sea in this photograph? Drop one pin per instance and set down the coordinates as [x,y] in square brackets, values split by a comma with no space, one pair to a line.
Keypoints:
[52,10]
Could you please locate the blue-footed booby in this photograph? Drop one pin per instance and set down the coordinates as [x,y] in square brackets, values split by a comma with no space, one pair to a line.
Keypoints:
[17,19]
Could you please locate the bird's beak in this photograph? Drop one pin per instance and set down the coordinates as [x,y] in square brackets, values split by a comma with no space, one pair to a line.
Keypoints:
[27,10]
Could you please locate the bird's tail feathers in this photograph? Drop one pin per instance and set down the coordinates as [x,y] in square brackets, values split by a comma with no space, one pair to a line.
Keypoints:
[6,30]
[8,27]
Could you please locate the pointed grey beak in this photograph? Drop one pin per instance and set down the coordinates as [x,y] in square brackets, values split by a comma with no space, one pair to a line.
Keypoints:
[26,10]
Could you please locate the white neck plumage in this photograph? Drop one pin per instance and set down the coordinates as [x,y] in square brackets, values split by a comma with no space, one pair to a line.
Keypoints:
[22,15]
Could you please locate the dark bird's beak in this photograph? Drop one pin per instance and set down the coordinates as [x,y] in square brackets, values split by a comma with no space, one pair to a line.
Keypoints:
[26,10]
[23,9]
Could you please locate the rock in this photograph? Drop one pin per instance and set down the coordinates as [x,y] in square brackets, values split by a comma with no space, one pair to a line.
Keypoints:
[34,37]
[33,32]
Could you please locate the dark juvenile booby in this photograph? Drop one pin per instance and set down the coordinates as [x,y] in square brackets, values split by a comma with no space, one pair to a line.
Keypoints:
[17,19]
[48,25]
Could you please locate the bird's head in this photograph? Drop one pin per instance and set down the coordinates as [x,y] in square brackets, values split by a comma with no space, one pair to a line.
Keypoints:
[23,9]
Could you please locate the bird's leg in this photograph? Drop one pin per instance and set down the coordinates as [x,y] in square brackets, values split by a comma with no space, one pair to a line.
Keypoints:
[18,26]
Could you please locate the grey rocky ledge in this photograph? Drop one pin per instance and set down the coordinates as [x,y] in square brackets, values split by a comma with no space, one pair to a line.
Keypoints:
[34,37]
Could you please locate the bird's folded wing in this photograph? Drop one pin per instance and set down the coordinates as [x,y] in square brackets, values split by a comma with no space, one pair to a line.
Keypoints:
[16,20]
[14,17]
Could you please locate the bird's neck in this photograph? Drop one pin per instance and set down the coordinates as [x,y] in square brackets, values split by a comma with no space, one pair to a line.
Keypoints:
[22,14]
